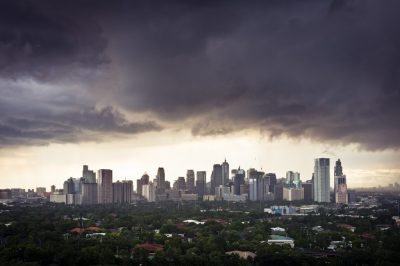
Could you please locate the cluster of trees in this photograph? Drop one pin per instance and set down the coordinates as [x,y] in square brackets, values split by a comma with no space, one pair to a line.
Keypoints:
[41,235]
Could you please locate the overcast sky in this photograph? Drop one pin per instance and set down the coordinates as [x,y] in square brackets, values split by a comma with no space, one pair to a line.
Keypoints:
[185,84]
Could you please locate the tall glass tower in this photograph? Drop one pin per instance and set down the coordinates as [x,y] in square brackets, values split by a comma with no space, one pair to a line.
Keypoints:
[321,180]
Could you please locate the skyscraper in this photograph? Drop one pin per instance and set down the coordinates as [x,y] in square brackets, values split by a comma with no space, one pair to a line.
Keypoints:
[161,179]
[190,181]
[201,183]
[88,176]
[321,180]
[340,184]
[225,172]
[122,191]
[181,183]
[238,180]
[216,177]
[271,181]
[149,192]
[104,184]
[89,193]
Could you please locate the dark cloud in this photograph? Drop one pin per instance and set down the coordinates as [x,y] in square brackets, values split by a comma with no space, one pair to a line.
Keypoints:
[325,70]
[86,125]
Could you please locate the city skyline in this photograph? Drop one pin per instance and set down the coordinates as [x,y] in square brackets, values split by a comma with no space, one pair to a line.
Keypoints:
[133,86]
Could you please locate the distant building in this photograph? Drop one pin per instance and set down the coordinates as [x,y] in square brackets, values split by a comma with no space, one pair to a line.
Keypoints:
[292,194]
[216,177]
[201,183]
[257,187]
[5,193]
[144,180]
[149,192]
[88,175]
[308,190]
[278,192]
[58,198]
[225,172]
[181,183]
[53,189]
[122,191]
[340,184]
[190,181]
[270,179]
[89,194]
[321,180]
[40,191]
[238,180]
[161,179]
[104,184]
[352,195]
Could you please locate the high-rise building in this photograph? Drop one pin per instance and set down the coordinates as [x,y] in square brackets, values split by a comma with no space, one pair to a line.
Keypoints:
[104,183]
[238,180]
[69,186]
[201,183]
[293,179]
[225,172]
[144,180]
[340,184]
[53,189]
[308,190]
[216,177]
[257,188]
[270,179]
[88,175]
[190,181]
[181,183]
[122,191]
[149,192]
[321,180]
[161,179]
[89,193]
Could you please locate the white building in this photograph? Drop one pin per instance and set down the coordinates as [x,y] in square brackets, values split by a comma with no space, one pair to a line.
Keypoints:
[321,180]
[149,192]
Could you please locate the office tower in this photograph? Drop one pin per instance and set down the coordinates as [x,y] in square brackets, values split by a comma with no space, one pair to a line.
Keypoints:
[190,181]
[149,192]
[338,170]
[225,172]
[139,185]
[167,185]
[53,188]
[89,194]
[122,191]
[238,180]
[270,180]
[104,184]
[308,190]
[321,180]
[88,175]
[340,185]
[201,183]
[278,192]
[144,180]
[69,186]
[293,179]
[257,188]
[161,179]
[216,177]
[181,183]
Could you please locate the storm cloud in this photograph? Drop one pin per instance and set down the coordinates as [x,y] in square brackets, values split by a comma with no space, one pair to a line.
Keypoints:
[324,70]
